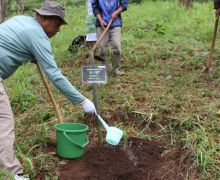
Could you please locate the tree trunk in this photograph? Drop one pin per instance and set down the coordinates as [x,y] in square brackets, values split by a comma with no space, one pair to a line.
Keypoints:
[2,11]
[21,6]
[181,3]
[190,4]
[187,3]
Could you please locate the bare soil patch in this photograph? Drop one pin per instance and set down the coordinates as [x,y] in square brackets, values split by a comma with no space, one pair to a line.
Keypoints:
[140,159]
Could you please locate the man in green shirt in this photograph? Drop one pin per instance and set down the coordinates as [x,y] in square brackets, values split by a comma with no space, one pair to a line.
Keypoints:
[22,39]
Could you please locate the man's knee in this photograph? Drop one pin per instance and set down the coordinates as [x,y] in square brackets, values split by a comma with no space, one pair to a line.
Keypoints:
[116,48]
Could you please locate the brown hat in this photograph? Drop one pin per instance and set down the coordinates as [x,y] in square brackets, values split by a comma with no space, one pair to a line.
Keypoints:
[52,8]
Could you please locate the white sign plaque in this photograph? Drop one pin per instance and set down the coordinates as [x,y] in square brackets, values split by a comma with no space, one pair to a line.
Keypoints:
[94,74]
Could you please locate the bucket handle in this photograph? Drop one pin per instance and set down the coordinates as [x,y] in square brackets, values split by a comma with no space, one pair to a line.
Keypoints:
[82,146]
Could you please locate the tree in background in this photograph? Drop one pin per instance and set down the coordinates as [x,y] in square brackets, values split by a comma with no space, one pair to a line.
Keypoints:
[21,6]
[3,4]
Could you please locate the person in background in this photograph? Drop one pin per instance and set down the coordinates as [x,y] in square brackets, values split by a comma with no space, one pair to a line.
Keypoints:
[104,11]
[22,39]
[217,6]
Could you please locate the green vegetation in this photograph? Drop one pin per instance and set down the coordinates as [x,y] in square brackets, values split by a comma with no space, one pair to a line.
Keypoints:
[164,50]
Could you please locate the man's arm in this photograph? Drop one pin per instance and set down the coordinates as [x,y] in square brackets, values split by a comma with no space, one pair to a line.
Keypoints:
[95,7]
[117,12]
[97,13]
[122,7]
[40,47]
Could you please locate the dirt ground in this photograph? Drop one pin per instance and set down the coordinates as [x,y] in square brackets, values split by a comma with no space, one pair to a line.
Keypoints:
[140,159]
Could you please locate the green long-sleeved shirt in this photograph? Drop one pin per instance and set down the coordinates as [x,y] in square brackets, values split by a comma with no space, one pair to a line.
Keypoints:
[23,39]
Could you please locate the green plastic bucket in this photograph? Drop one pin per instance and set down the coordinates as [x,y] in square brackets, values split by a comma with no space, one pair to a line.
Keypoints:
[71,139]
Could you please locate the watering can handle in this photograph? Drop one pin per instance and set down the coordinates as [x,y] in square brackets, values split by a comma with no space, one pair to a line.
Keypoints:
[103,122]
[72,141]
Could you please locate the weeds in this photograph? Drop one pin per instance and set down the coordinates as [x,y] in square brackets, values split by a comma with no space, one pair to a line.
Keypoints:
[163,92]
[5,175]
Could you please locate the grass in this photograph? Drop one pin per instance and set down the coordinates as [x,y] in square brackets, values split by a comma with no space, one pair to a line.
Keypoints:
[164,49]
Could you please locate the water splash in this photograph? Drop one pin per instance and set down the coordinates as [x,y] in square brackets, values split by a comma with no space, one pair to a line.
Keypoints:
[130,153]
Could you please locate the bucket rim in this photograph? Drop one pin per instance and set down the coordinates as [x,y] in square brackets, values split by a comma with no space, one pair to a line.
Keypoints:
[81,130]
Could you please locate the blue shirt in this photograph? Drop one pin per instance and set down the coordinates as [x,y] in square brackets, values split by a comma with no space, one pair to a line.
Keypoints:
[106,8]
[23,39]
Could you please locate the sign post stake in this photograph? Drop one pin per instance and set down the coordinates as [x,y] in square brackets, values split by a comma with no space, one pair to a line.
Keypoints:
[94,74]
[91,36]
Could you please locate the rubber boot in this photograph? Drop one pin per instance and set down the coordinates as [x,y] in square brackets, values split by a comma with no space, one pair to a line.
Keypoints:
[116,64]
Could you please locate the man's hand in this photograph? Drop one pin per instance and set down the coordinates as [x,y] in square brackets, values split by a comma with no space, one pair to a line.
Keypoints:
[103,23]
[88,106]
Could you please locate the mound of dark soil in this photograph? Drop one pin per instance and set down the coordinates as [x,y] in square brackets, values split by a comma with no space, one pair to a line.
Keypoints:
[139,160]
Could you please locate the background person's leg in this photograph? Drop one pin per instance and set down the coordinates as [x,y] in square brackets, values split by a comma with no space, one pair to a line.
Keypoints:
[115,39]
[103,46]
[7,135]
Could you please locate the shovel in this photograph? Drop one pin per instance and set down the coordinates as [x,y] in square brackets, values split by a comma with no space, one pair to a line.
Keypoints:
[208,68]
[114,134]
[91,57]
[55,106]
